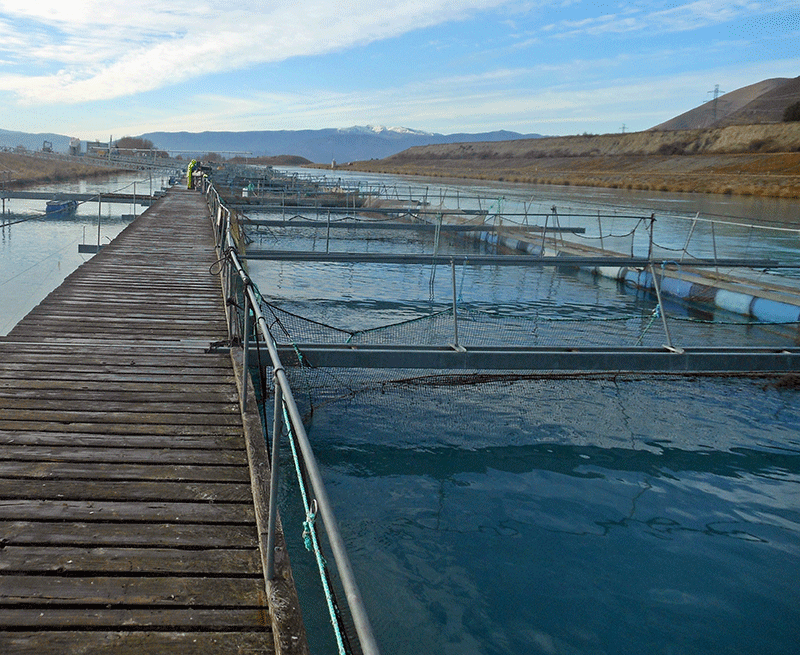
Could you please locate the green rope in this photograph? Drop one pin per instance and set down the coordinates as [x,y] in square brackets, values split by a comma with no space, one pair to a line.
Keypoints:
[656,313]
[308,528]
[310,537]
[399,323]
[460,296]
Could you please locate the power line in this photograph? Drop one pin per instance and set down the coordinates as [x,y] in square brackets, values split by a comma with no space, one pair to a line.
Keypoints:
[716,93]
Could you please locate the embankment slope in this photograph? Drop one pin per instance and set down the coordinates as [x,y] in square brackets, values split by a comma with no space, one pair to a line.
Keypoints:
[21,170]
[759,160]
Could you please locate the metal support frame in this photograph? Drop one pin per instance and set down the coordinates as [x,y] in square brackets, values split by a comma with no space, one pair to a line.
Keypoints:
[686,360]
[455,305]
[416,227]
[477,259]
[277,433]
[661,311]
[233,270]
[454,357]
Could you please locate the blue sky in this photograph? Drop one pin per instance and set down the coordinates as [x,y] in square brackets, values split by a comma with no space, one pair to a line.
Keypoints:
[96,69]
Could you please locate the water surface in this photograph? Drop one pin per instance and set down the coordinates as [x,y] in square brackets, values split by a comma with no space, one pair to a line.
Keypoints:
[522,515]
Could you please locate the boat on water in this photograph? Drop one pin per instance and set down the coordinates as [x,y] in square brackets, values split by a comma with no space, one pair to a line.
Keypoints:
[61,207]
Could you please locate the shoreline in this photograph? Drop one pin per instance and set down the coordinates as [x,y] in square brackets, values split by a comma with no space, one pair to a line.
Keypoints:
[21,170]
[736,174]
[742,160]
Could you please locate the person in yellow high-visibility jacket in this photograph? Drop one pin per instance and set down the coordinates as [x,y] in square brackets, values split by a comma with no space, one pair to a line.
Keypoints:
[189,171]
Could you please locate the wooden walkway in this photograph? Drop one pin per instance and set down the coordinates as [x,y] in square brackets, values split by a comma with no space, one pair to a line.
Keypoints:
[127,519]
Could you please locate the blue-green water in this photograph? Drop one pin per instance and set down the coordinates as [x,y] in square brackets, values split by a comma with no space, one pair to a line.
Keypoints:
[617,515]
[612,515]
[571,516]
[36,255]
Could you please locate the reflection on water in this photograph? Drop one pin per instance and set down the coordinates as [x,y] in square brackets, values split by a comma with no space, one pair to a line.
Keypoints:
[617,515]
[705,225]
[570,516]
[37,254]
[533,516]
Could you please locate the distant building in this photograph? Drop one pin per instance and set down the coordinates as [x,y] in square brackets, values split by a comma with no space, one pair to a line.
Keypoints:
[74,146]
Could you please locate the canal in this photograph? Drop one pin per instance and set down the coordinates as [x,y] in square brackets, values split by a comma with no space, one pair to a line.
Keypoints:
[520,514]
[38,252]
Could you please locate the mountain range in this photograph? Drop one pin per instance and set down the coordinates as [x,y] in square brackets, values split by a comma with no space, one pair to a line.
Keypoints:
[763,102]
[357,143]
[34,141]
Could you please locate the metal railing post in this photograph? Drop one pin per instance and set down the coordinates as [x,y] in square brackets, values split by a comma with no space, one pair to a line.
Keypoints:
[689,236]
[231,302]
[544,232]
[277,433]
[600,230]
[328,235]
[285,399]
[245,348]
[455,303]
[663,313]
[714,244]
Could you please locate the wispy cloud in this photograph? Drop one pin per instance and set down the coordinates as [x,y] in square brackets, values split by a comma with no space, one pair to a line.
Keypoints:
[93,50]
[660,17]
[505,94]
[441,65]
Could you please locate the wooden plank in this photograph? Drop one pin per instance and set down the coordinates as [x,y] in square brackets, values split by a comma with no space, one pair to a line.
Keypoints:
[147,535]
[212,400]
[112,358]
[126,490]
[123,386]
[118,455]
[112,378]
[129,619]
[151,512]
[139,643]
[114,406]
[98,417]
[57,471]
[117,428]
[66,345]
[187,591]
[197,442]
[160,561]
[168,324]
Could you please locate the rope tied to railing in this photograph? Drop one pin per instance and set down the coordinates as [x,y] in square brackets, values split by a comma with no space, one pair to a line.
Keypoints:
[216,267]
[310,537]
[655,315]
[308,525]
[460,297]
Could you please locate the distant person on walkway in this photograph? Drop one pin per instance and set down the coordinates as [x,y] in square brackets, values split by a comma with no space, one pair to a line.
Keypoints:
[189,171]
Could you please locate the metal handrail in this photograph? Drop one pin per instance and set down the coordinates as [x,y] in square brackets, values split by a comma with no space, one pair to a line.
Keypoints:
[232,270]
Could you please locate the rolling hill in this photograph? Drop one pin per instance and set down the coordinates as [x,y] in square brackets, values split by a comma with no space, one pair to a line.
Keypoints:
[762,102]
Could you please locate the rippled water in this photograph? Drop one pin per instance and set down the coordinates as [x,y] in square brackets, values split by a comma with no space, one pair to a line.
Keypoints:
[615,515]
[37,254]
[618,515]
[571,516]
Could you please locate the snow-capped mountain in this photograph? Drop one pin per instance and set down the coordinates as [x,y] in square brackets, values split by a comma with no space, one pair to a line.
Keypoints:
[382,130]
[321,146]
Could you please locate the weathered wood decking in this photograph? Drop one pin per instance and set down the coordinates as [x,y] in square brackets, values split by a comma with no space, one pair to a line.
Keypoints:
[127,520]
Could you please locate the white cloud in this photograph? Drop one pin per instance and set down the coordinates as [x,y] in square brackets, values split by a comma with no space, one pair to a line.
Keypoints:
[525,107]
[82,51]
[654,20]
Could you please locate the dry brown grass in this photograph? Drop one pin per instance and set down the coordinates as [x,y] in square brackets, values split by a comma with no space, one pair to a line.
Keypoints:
[19,170]
[762,160]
